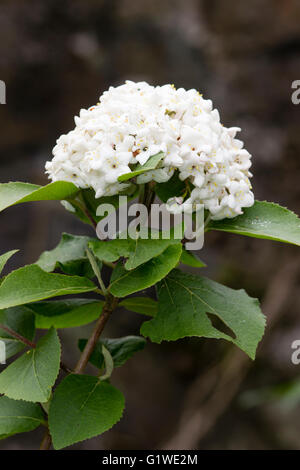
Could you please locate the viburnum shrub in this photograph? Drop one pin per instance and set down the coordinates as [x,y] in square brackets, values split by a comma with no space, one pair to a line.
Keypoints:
[141,142]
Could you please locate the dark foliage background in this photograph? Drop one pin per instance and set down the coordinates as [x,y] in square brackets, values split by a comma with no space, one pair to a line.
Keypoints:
[57,57]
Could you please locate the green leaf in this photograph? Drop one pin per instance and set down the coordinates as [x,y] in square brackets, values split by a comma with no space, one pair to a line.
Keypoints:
[16,193]
[83,407]
[31,283]
[109,364]
[173,187]
[190,259]
[92,203]
[19,416]
[71,249]
[5,257]
[89,200]
[137,251]
[184,302]
[263,220]
[124,282]
[150,165]
[65,313]
[80,267]
[121,349]
[20,320]
[5,436]
[143,305]
[32,375]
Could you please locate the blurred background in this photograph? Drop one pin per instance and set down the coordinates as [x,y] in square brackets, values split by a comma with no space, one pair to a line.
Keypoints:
[56,57]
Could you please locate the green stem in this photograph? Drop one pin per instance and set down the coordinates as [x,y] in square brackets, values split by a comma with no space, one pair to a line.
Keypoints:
[141,193]
[99,291]
[19,337]
[83,209]
[109,306]
[148,196]
[46,442]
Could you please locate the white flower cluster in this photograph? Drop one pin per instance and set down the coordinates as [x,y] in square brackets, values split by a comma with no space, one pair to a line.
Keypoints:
[135,121]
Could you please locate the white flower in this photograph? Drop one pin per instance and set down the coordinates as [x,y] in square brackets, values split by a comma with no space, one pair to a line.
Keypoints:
[135,121]
[174,205]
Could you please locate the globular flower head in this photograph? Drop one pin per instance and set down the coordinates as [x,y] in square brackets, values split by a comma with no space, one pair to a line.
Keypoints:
[135,121]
